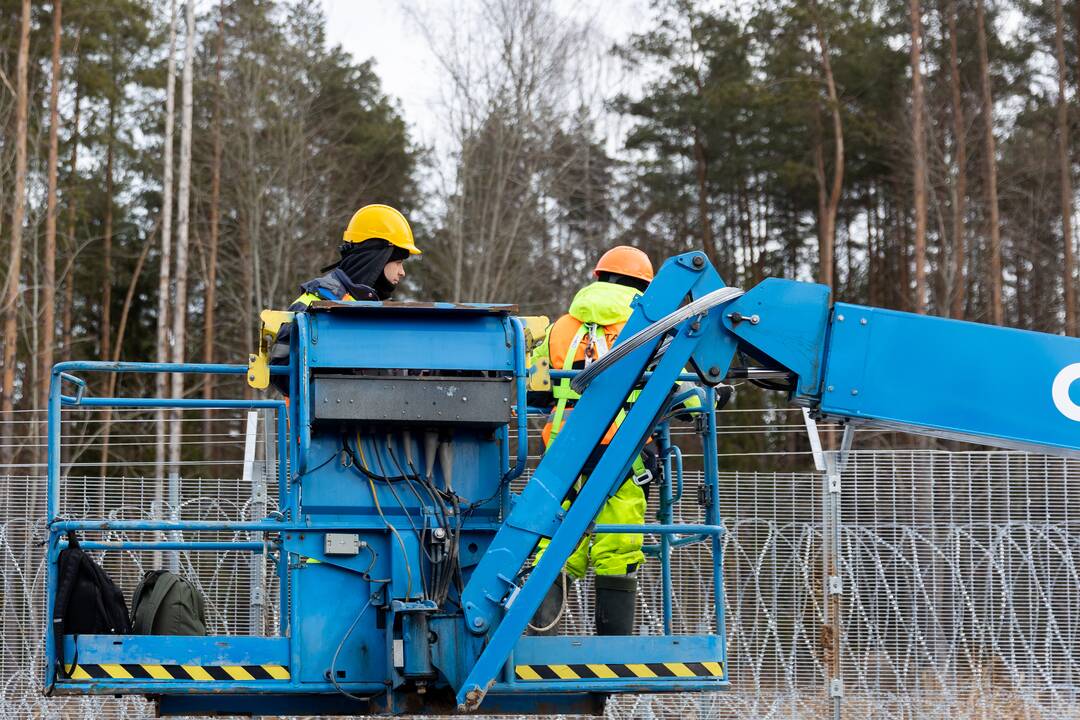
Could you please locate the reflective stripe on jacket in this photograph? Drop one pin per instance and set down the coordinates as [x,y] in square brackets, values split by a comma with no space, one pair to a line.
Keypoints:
[334,285]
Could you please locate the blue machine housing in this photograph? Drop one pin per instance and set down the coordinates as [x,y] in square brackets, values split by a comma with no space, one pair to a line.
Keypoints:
[400,549]
[397,440]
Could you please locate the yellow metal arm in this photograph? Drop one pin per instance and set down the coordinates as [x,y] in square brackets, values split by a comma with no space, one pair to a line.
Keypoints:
[258,375]
[535,328]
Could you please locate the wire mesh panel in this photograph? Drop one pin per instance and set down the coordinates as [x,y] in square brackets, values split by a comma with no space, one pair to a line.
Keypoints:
[960,583]
[772,585]
[771,567]
[208,483]
[961,591]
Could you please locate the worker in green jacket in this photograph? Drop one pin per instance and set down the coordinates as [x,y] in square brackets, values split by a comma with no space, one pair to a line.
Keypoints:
[583,335]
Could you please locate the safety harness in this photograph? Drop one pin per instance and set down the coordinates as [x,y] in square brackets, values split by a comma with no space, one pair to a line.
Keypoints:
[323,294]
[596,347]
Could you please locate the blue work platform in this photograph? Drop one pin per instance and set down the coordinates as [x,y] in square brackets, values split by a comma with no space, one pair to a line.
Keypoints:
[396,457]
[403,555]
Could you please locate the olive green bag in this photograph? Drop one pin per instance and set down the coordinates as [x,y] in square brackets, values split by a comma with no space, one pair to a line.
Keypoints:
[166,604]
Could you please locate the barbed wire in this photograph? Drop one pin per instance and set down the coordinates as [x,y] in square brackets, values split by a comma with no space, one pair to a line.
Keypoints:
[960,574]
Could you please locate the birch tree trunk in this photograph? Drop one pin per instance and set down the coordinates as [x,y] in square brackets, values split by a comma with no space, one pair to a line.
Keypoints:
[166,254]
[183,216]
[11,290]
[209,329]
[997,310]
[918,141]
[1065,171]
[959,206]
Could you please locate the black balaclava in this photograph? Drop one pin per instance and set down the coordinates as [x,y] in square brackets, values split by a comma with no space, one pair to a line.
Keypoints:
[382,286]
[364,263]
[616,278]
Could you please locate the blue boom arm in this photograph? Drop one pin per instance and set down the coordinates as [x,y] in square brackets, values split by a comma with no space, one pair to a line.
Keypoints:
[958,380]
[998,386]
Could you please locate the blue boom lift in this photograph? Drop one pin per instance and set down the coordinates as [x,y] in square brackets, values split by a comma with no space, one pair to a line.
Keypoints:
[397,541]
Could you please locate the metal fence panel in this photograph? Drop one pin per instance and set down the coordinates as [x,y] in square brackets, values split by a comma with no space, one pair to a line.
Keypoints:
[961,593]
[959,588]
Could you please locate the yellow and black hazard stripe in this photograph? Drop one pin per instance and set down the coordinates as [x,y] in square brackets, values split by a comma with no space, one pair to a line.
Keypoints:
[200,673]
[613,671]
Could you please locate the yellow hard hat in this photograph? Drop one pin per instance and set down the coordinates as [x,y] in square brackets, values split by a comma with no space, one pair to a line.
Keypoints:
[381,221]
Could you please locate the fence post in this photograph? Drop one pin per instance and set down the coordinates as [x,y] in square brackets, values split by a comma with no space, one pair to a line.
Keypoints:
[833,586]
[254,476]
[830,464]
[173,505]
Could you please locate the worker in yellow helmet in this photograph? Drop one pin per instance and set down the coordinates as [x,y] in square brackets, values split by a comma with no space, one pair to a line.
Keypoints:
[376,244]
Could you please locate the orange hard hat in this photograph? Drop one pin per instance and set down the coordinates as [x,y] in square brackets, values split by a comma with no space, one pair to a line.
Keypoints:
[625,260]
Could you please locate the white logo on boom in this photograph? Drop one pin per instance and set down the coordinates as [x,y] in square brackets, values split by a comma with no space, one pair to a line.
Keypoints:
[1060,391]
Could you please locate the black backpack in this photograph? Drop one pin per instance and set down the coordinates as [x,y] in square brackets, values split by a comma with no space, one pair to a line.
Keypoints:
[166,604]
[88,602]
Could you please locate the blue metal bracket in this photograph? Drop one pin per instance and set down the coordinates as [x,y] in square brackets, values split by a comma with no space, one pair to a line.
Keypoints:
[782,322]
[80,386]
[521,377]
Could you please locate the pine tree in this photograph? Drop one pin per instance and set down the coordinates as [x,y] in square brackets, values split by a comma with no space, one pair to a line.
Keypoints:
[959,199]
[12,288]
[994,279]
[1072,326]
[48,340]
[919,162]
[829,202]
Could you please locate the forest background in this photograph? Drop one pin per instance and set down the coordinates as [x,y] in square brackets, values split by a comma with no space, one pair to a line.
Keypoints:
[169,169]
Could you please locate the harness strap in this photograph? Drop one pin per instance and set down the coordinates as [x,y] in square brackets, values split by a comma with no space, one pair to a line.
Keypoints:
[562,390]
[564,394]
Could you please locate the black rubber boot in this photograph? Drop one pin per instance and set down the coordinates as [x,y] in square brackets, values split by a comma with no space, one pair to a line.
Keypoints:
[615,603]
[549,610]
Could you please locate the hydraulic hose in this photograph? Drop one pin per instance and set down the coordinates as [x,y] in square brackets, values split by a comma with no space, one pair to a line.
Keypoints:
[696,307]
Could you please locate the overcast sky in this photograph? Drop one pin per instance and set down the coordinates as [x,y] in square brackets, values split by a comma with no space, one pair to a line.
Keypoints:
[383,30]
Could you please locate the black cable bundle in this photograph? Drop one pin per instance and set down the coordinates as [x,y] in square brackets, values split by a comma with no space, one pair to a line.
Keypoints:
[445,570]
